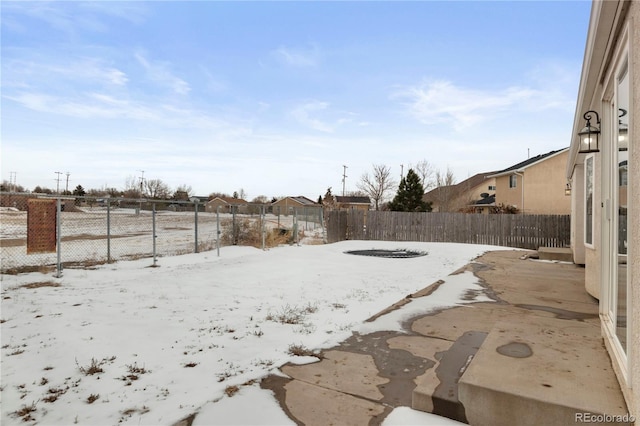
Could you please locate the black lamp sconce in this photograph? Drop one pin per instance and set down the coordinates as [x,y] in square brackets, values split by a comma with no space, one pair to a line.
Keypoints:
[589,136]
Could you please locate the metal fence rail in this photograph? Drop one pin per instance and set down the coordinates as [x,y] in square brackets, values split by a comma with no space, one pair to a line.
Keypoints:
[87,231]
[521,231]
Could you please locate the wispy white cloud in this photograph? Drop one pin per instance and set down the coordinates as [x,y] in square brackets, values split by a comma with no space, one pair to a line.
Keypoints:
[134,12]
[95,105]
[92,105]
[303,113]
[160,73]
[298,57]
[443,102]
[59,16]
[41,71]
[74,17]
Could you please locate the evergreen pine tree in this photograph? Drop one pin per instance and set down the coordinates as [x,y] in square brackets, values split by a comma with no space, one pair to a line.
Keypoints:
[409,195]
[79,191]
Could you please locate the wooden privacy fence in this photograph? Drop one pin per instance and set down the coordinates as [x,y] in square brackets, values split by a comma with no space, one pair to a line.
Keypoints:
[509,230]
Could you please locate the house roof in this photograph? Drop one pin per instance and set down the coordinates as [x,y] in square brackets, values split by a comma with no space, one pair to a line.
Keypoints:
[528,163]
[435,192]
[229,200]
[303,200]
[458,188]
[474,180]
[299,199]
[352,200]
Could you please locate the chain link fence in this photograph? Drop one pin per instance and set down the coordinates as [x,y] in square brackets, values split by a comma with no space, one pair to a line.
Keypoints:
[44,233]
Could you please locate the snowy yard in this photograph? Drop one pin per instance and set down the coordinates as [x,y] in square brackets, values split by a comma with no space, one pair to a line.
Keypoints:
[127,343]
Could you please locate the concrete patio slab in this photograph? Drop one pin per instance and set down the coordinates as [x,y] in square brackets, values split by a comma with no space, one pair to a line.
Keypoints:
[543,372]
[428,348]
[471,362]
[346,372]
[313,405]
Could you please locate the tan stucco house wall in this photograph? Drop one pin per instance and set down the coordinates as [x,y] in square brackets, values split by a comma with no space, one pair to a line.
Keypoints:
[544,186]
[509,196]
[539,186]
[469,195]
[610,87]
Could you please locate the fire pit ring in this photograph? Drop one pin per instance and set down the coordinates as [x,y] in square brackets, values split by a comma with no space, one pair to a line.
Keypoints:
[394,254]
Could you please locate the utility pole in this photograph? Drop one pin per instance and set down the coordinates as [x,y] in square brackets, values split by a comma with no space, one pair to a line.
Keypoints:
[67,187]
[12,181]
[140,208]
[401,171]
[58,182]
[141,183]
[344,178]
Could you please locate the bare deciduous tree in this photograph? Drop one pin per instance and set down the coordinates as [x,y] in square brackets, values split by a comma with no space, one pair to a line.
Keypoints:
[185,188]
[445,182]
[242,194]
[11,186]
[218,194]
[183,193]
[378,184]
[156,188]
[132,188]
[427,174]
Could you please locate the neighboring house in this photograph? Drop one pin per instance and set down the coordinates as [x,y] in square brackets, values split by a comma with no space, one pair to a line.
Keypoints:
[290,204]
[536,185]
[337,202]
[485,205]
[462,196]
[352,202]
[224,204]
[605,183]
[439,198]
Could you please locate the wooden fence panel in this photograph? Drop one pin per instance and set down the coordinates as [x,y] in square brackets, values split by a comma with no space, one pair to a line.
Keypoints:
[521,231]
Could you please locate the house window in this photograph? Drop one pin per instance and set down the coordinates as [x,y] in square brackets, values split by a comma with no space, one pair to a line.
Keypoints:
[492,187]
[513,181]
[623,173]
[588,219]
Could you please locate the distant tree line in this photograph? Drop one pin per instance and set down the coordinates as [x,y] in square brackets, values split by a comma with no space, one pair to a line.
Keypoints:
[420,178]
[378,185]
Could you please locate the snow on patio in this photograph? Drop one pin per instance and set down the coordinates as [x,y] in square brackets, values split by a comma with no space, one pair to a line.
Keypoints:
[199,331]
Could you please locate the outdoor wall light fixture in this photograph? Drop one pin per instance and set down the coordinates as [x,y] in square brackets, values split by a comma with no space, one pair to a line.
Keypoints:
[589,135]
[567,189]
[623,131]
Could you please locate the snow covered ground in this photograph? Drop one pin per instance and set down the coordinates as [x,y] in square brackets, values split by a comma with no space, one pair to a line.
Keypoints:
[128,343]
